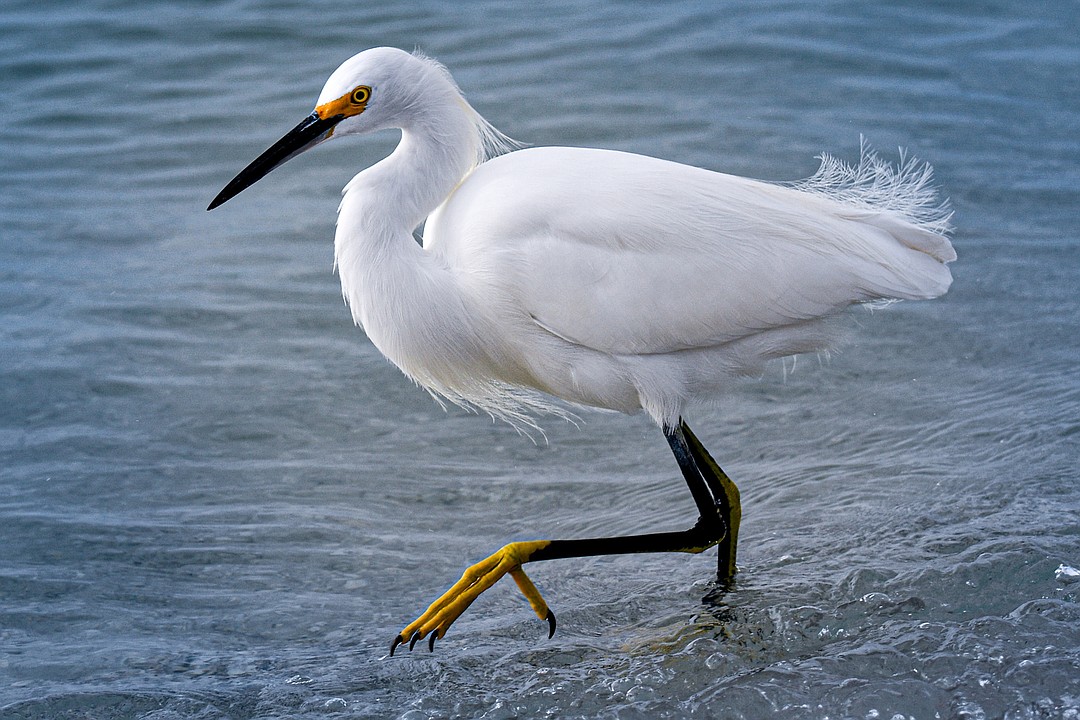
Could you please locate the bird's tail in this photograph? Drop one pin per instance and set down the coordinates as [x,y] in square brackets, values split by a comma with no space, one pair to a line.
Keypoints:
[902,197]
[901,201]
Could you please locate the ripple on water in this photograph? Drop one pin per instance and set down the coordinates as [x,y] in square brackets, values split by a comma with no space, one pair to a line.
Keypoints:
[217,500]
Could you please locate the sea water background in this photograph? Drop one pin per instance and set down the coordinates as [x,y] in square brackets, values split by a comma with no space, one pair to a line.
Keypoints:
[218,501]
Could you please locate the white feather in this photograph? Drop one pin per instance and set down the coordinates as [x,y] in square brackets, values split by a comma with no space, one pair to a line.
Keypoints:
[605,278]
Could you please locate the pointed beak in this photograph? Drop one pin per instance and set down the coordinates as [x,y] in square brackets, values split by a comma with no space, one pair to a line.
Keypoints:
[309,133]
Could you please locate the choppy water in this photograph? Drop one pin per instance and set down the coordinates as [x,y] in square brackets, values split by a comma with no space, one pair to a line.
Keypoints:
[218,501]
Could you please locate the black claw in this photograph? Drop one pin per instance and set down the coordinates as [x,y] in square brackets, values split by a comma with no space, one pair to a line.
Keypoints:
[551,625]
[397,641]
[431,641]
[412,641]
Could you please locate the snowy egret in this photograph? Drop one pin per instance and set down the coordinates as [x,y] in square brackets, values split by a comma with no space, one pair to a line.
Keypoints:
[602,278]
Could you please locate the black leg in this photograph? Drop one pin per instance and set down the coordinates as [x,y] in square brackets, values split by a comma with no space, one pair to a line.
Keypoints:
[719,513]
[728,502]
[717,501]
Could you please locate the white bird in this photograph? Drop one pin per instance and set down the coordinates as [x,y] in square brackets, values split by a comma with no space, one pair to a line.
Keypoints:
[602,278]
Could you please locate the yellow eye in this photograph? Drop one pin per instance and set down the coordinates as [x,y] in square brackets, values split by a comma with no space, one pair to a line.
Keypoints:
[360,95]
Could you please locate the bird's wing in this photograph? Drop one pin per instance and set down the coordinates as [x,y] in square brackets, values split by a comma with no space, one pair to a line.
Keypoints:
[632,255]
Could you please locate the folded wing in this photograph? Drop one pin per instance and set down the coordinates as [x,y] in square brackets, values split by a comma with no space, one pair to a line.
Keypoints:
[627,254]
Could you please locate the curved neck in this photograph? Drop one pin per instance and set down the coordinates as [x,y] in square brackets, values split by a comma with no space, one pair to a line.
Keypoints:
[375,253]
[438,147]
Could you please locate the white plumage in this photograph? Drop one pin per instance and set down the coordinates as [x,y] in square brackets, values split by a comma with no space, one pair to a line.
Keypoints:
[604,278]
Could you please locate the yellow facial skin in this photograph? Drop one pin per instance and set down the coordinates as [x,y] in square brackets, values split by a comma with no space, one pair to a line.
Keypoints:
[351,103]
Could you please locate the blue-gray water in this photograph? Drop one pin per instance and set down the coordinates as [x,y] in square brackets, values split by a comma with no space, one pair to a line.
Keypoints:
[218,501]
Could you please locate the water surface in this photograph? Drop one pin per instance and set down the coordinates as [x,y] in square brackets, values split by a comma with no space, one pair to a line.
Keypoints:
[218,501]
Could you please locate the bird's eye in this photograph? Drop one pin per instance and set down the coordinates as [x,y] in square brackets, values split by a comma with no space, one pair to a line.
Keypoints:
[360,95]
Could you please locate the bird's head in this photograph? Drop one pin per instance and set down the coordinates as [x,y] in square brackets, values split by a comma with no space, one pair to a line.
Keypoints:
[370,91]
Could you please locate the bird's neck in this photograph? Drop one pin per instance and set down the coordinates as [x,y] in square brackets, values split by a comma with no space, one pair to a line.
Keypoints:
[382,268]
[385,203]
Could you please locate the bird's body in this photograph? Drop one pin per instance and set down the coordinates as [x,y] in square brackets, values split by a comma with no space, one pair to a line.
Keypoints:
[602,278]
[605,278]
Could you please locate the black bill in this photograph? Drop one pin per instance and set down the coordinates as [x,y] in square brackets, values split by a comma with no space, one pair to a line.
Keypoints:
[309,133]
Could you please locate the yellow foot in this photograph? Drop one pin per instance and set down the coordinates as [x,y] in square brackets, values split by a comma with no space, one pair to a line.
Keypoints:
[437,619]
